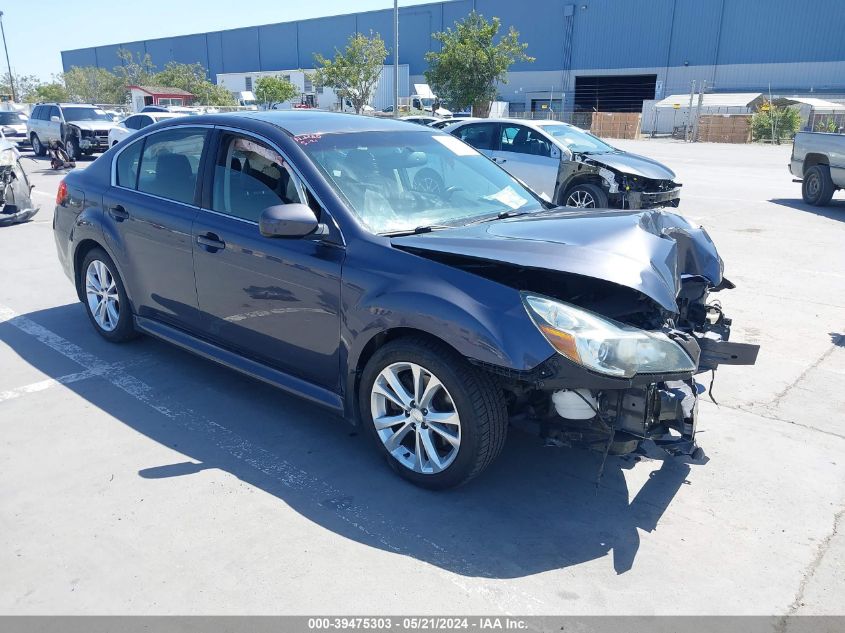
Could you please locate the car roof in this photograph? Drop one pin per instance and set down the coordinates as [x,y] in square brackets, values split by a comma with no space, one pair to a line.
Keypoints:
[528,122]
[297,122]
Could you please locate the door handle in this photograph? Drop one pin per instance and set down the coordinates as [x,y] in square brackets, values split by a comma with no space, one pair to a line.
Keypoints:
[210,240]
[118,212]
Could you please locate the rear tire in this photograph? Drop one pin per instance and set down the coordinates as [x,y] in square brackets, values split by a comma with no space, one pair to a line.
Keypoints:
[461,417]
[586,196]
[817,188]
[37,146]
[105,297]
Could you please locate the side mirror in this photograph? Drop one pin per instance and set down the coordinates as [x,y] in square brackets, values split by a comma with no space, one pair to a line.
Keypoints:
[288,220]
[55,119]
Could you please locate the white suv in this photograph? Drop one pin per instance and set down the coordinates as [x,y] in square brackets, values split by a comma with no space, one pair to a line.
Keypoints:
[84,129]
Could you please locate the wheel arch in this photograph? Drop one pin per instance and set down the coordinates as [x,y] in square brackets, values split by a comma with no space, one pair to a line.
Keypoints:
[377,340]
[815,158]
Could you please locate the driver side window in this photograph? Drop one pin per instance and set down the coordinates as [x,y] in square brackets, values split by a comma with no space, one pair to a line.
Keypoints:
[249,176]
[523,140]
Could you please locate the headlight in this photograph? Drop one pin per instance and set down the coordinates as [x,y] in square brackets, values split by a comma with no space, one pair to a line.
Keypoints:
[603,345]
[8,157]
[10,131]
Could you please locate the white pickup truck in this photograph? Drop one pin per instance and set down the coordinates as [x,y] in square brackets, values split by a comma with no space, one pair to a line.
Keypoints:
[818,162]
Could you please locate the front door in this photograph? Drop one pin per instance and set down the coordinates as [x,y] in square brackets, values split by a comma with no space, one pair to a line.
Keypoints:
[150,211]
[526,154]
[275,300]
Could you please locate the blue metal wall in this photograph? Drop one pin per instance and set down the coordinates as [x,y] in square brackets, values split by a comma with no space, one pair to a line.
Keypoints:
[607,34]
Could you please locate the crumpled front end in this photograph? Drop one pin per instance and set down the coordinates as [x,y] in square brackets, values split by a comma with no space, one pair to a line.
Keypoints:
[15,192]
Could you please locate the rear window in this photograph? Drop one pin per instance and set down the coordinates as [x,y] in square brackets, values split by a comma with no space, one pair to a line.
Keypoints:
[170,163]
[127,165]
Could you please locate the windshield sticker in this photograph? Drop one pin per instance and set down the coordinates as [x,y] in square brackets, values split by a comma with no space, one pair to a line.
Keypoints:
[458,147]
[508,197]
[307,139]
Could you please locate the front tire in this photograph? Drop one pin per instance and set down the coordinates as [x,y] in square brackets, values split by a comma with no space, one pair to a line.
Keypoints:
[105,297]
[586,196]
[37,146]
[437,420]
[817,187]
[72,147]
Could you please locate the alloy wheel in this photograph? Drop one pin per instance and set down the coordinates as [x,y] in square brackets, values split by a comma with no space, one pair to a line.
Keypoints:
[415,418]
[581,198]
[103,298]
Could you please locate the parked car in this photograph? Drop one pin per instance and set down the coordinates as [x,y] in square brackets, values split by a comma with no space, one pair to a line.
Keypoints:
[420,119]
[818,162]
[570,166]
[15,190]
[294,247]
[84,129]
[13,125]
[135,122]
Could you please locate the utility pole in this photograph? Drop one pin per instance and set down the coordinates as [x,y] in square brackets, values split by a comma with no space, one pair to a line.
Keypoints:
[698,111]
[689,114]
[8,63]
[395,59]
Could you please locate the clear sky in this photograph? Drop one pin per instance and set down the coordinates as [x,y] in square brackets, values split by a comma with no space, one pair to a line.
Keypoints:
[37,32]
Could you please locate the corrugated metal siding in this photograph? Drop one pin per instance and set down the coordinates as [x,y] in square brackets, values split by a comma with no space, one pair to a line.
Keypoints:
[607,34]
[782,31]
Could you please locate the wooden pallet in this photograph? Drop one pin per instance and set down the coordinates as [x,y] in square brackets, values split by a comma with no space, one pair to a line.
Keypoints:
[616,124]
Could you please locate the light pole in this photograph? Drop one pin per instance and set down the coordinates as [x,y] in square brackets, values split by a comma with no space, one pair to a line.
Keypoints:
[395,59]
[8,63]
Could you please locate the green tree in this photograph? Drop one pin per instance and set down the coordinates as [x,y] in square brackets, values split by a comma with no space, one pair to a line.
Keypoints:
[53,91]
[470,65]
[785,122]
[354,73]
[90,84]
[273,90]
[194,79]
[134,70]
[25,86]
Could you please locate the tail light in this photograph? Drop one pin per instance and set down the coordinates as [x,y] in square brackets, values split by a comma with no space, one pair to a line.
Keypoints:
[61,194]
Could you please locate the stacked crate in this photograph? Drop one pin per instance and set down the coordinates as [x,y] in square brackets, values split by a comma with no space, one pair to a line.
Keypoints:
[616,124]
[724,128]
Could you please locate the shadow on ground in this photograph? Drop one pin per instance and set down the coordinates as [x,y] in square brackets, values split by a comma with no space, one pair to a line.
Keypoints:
[835,210]
[536,509]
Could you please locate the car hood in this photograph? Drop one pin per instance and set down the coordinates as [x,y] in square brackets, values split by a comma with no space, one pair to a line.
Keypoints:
[94,125]
[633,164]
[648,251]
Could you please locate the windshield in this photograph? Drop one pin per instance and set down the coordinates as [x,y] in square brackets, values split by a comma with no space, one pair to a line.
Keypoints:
[12,118]
[401,181]
[86,114]
[577,140]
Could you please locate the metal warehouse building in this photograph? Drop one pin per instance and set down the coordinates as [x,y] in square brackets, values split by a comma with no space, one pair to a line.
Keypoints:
[607,55]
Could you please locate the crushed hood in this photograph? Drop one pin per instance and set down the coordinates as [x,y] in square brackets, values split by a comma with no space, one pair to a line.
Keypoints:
[633,164]
[648,251]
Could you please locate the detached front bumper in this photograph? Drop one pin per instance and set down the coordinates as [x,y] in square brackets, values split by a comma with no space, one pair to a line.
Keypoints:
[10,214]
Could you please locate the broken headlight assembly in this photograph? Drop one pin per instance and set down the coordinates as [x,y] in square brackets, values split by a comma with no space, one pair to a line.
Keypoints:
[602,345]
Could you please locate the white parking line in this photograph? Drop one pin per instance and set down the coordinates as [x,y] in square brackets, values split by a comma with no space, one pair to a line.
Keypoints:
[43,385]
[372,524]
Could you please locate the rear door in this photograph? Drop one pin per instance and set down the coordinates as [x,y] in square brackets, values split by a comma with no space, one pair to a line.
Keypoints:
[275,300]
[526,154]
[482,136]
[150,209]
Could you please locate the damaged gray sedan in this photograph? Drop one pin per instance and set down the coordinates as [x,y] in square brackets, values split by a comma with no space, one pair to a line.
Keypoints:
[569,166]
[15,199]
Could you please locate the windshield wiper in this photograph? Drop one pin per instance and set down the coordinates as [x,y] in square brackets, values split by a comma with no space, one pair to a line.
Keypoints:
[420,229]
[501,216]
